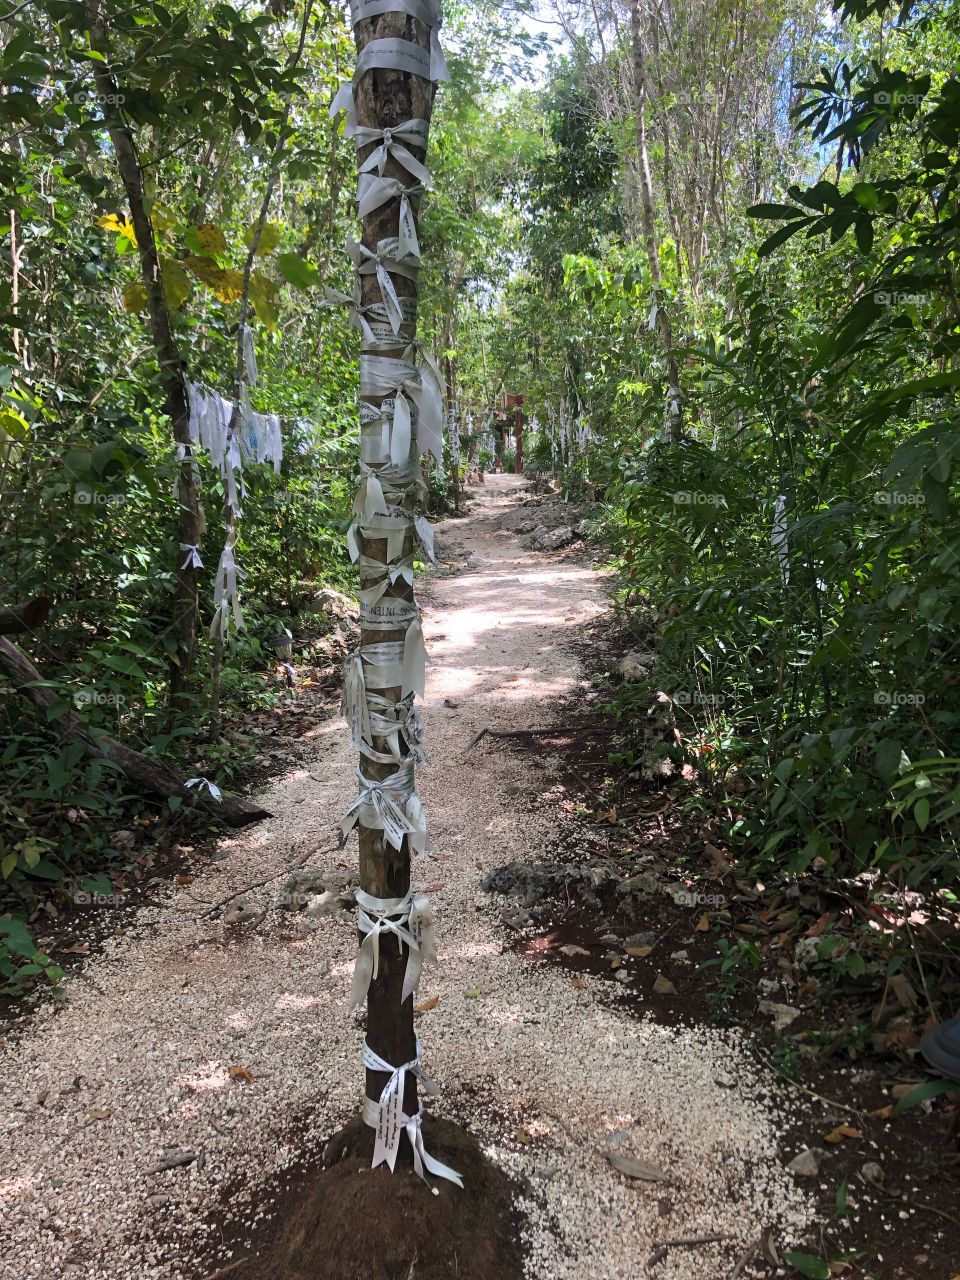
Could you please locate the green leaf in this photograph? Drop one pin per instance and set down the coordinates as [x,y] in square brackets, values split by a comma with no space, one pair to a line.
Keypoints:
[808,1265]
[886,760]
[297,271]
[921,813]
[269,238]
[929,1089]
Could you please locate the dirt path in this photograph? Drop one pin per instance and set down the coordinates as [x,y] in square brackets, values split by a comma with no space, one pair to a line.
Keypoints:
[136,1066]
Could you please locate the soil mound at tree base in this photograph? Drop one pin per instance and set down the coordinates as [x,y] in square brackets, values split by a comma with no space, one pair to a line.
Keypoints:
[351,1222]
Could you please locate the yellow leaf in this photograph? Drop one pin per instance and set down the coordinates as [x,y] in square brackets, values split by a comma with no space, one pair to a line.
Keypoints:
[230,288]
[123,229]
[176,283]
[263,295]
[211,238]
[641,952]
[427,1005]
[269,238]
[227,285]
[162,218]
[135,297]
[13,424]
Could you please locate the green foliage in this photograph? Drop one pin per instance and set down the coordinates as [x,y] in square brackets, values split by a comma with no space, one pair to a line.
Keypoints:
[87,460]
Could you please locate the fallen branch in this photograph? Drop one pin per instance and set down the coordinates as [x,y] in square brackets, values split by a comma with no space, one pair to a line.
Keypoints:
[227,1271]
[258,884]
[148,773]
[24,617]
[680,1242]
[748,1254]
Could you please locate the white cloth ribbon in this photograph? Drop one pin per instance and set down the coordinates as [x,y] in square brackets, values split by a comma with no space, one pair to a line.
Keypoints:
[778,537]
[204,784]
[391,806]
[393,54]
[387,259]
[410,921]
[387,1117]
[192,559]
[407,384]
[226,596]
[394,144]
[249,356]
[374,191]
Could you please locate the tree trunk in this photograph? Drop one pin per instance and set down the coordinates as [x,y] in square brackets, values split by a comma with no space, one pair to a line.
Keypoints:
[664,328]
[153,775]
[385,99]
[25,617]
[176,406]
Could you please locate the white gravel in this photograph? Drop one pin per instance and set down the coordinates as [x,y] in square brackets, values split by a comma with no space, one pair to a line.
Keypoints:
[136,1062]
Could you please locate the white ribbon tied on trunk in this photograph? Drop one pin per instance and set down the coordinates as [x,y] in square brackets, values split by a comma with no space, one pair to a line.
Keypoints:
[192,559]
[388,258]
[374,191]
[410,921]
[391,806]
[388,1118]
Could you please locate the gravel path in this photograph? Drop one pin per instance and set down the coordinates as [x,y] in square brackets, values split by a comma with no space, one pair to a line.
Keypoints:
[135,1068]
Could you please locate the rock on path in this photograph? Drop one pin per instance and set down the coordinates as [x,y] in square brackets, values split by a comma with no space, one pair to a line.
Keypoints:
[135,1069]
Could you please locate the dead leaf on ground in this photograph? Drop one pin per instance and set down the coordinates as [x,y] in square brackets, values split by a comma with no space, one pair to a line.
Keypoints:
[882,1113]
[632,1168]
[523,1137]
[570,949]
[78,949]
[184,879]
[841,1133]
[768,1247]
[435,888]
[640,952]
[903,1038]
[608,815]
[579,984]
[703,924]
[242,1073]
[663,986]
[474,993]
[99,1113]
[427,1005]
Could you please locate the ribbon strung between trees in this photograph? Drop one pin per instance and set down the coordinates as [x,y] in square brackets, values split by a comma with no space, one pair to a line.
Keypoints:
[256,437]
[401,418]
